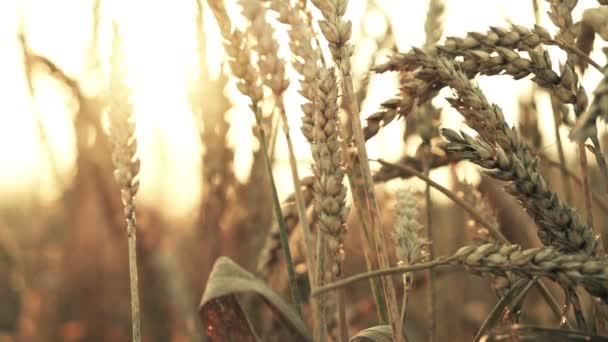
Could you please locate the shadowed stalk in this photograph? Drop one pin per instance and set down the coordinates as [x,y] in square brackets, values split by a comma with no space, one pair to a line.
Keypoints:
[601,161]
[293,285]
[426,146]
[301,206]
[560,149]
[342,322]
[586,186]
[587,190]
[366,241]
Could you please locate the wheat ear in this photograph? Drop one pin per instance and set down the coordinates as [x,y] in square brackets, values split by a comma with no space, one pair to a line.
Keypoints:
[569,270]
[410,246]
[554,218]
[558,224]
[329,206]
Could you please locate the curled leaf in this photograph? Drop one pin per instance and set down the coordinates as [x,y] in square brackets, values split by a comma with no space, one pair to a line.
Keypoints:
[379,333]
[222,317]
[505,306]
[224,320]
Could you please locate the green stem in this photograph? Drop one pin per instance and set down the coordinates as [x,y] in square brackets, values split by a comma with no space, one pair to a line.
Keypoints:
[284,235]
[380,273]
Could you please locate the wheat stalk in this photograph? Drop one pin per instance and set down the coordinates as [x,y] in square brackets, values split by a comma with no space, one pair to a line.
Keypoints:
[126,166]
[569,270]
[272,248]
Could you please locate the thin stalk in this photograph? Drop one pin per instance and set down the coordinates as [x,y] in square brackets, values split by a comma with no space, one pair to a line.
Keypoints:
[375,284]
[432,276]
[273,137]
[581,323]
[359,202]
[134,282]
[586,187]
[342,323]
[536,7]
[301,207]
[284,235]
[403,316]
[321,333]
[560,150]
[380,273]
[374,211]
[601,161]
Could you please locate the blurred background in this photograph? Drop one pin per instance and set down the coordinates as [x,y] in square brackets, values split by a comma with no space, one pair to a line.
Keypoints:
[63,265]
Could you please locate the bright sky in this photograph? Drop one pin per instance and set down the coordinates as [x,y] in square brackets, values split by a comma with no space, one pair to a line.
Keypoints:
[159,40]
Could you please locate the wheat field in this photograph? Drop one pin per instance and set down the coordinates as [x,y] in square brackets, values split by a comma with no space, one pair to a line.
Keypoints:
[304,170]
